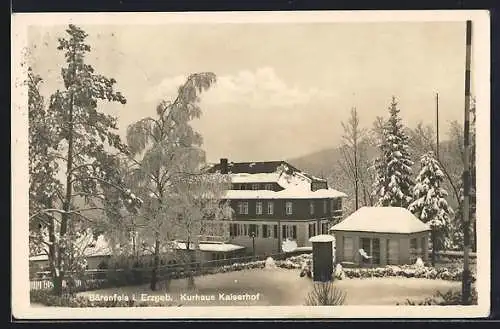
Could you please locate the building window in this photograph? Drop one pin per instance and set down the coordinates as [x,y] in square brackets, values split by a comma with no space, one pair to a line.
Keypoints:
[372,248]
[268,187]
[311,207]
[253,228]
[393,251]
[336,205]
[258,208]
[312,229]
[265,231]
[288,208]
[270,208]
[255,186]
[348,248]
[325,206]
[275,231]
[413,244]
[289,231]
[324,228]
[243,208]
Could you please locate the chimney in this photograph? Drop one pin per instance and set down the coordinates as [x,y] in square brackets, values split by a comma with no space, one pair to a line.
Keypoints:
[223,166]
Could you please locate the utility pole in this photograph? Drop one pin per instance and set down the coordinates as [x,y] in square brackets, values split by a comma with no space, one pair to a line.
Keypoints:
[466,282]
[437,126]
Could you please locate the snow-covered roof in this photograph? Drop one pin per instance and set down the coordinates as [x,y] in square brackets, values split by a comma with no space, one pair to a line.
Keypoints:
[284,194]
[322,238]
[89,247]
[39,258]
[382,220]
[212,247]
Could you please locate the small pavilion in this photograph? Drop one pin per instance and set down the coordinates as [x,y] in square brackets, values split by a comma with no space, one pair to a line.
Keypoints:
[379,236]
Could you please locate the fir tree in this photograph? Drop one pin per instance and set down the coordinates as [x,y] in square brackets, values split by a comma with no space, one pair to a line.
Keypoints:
[430,203]
[393,182]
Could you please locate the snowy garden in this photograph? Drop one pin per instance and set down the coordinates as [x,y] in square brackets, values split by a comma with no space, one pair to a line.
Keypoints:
[389,285]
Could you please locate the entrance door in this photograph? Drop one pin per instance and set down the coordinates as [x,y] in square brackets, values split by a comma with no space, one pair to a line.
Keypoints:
[372,247]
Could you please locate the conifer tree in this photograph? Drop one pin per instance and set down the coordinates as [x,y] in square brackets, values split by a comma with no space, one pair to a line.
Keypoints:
[430,204]
[393,182]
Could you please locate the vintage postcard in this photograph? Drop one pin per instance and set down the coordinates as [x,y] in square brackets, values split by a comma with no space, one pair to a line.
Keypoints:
[251,165]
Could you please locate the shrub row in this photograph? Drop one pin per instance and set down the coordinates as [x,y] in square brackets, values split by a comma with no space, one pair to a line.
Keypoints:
[407,271]
[453,273]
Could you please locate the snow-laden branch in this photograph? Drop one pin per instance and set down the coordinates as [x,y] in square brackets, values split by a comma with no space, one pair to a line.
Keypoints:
[61,211]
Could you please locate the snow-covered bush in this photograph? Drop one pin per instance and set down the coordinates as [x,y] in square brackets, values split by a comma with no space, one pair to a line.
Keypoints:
[339,272]
[407,271]
[270,264]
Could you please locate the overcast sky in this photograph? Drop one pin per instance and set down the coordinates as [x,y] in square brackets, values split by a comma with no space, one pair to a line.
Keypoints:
[282,89]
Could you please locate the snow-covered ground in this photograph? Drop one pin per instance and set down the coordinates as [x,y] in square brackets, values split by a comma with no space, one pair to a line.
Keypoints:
[285,287]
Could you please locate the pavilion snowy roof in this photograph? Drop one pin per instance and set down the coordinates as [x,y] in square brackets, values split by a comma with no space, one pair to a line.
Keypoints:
[382,220]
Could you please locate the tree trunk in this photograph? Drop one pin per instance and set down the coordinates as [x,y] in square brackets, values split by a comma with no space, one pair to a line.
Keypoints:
[156,264]
[67,198]
[189,267]
[434,247]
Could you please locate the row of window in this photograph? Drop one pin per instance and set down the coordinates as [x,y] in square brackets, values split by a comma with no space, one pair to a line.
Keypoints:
[243,207]
[271,231]
[262,231]
[372,247]
[323,229]
[254,186]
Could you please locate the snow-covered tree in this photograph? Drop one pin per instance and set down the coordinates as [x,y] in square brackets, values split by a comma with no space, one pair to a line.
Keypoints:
[393,168]
[352,148]
[166,171]
[430,203]
[71,146]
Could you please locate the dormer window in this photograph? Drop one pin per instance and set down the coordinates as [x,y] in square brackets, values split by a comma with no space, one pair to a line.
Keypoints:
[311,207]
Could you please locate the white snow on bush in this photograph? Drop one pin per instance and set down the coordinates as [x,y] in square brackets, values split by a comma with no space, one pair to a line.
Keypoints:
[339,272]
[270,264]
[419,263]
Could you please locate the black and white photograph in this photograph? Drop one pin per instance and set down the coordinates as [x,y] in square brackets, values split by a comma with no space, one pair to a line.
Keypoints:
[215,164]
